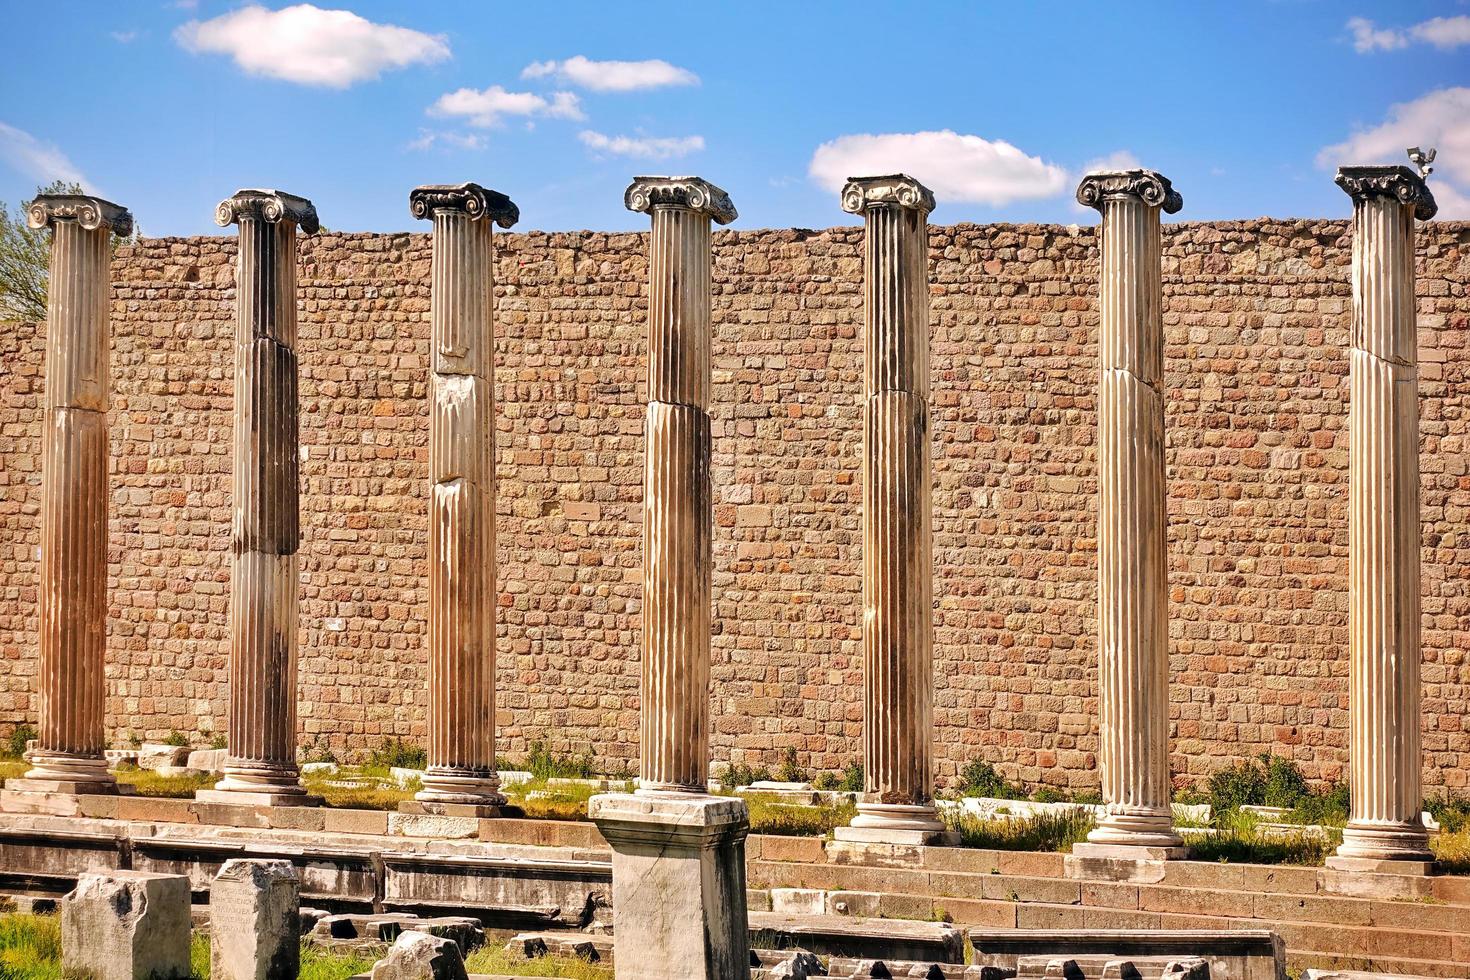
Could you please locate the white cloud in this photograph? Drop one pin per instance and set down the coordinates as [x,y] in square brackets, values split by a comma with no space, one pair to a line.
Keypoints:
[428,139]
[1440,119]
[643,147]
[309,45]
[38,160]
[956,167]
[612,76]
[1117,160]
[1445,33]
[486,107]
[1368,37]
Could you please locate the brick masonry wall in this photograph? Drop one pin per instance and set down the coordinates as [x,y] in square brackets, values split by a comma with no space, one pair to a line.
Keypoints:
[1256,317]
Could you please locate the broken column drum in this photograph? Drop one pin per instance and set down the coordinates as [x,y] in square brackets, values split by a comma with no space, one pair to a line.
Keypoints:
[72,600]
[1384,831]
[898,565]
[260,766]
[677,516]
[461,750]
[1133,624]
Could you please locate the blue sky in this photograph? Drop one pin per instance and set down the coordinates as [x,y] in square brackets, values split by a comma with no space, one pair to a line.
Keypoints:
[169,107]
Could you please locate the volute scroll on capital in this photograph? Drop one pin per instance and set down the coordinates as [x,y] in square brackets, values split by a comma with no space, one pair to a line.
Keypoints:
[691,193]
[1389,181]
[471,198]
[861,193]
[268,205]
[89,212]
[1150,186]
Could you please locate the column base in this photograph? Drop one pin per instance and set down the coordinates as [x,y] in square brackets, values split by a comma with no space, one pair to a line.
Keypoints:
[1139,829]
[245,784]
[449,786]
[65,772]
[1130,852]
[1384,848]
[897,823]
[678,884]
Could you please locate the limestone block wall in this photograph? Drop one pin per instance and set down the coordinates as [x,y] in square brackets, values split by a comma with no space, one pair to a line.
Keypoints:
[1256,321]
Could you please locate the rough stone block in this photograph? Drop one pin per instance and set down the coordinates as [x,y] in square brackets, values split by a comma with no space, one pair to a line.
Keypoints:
[154,755]
[127,925]
[255,921]
[420,956]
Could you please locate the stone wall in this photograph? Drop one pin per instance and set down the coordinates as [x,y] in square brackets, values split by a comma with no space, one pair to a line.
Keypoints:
[1257,317]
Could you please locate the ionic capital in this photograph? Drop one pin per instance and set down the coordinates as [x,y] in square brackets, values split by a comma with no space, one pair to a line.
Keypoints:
[690,193]
[89,212]
[469,198]
[267,205]
[1398,182]
[1149,186]
[897,190]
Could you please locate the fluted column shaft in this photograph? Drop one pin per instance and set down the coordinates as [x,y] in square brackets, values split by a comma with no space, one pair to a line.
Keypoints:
[461,749]
[1383,534]
[1132,523]
[265,532]
[677,506]
[72,607]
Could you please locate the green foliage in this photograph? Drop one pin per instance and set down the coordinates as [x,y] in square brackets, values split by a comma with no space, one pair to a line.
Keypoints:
[1270,780]
[789,771]
[320,751]
[542,763]
[15,745]
[30,947]
[394,753]
[219,741]
[199,956]
[25,259]
[1238,839]
[1285,784]
[1450,810]
[982,779]
[177,739]
[769,815]
[743,774]
[147,782]
[499,962]
[1043,832]
[1327,806]
[850,781]
[1236,786]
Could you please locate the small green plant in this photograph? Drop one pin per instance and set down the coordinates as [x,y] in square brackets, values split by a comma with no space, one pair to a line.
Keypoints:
[743,774]
[983,779]
[177,739]
[1043,832]
[1233,787]
[15,745]
[219,741]
[853,778]
[1451,810]
[1285,784]
[320,751]
[788,771]
[826,781]
[395,753]
[542,763]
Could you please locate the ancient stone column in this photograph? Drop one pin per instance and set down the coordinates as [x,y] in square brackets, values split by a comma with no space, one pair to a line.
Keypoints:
[462,496]
[260,766]
[898,566]
[72,607]
[678,853]
[1132,521]
[1384,831]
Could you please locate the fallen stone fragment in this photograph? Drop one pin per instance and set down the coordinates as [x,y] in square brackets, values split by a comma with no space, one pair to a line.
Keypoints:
[126,925]
[420,956]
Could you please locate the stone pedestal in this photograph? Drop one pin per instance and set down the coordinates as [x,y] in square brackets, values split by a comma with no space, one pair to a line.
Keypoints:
[1132,522]
[126,925]
[462,599]
[677,516]
[1385,832]
[898,567]
[260,767]
[678,885]
[72,600]
[255,921]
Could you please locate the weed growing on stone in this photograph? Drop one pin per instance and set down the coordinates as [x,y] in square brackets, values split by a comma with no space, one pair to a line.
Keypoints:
[15,743]
[1043,832]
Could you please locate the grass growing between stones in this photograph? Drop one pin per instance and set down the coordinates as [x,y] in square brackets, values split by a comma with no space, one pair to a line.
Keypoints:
[498,961]
[1453,851]
[1043,832]
[1239,839]
[30,947]
[146,782]
[768,815]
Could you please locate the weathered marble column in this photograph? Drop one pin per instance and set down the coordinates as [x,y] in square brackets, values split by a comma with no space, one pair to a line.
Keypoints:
[898,565]
[260,765]
[1132,521]
[72,607]
[462,496]
[1385,831]
[678,853]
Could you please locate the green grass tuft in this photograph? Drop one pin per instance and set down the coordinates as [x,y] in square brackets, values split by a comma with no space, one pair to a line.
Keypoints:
[498,961]
[1043,832]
